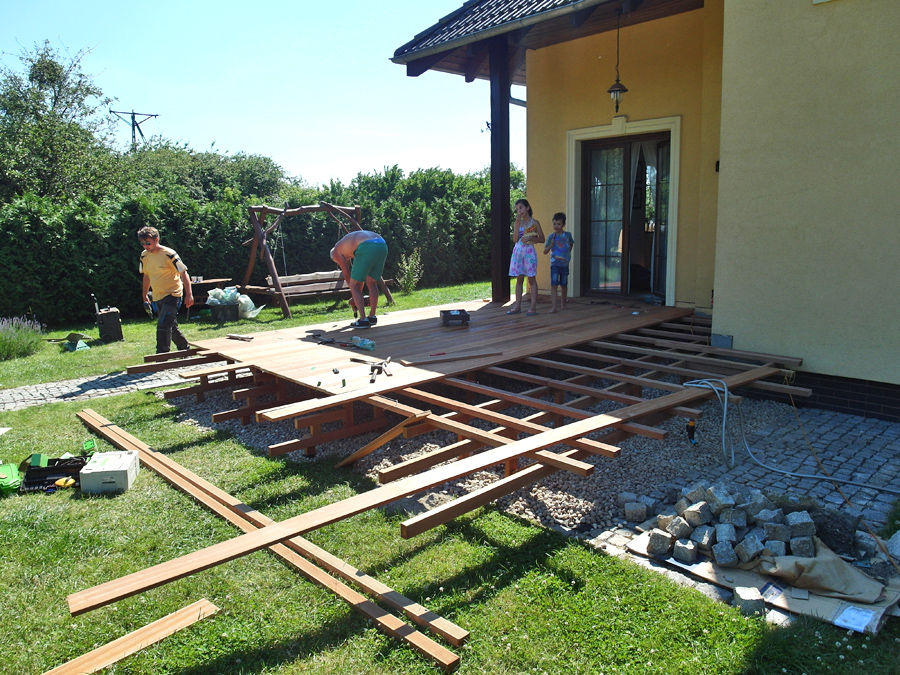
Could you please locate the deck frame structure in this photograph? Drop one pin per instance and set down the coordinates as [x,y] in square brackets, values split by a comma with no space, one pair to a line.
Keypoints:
[560,370]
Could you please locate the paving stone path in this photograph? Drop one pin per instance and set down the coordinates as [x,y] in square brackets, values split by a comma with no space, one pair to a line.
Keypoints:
[86,388]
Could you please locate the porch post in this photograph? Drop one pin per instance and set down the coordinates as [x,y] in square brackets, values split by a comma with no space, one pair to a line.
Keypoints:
[500,210]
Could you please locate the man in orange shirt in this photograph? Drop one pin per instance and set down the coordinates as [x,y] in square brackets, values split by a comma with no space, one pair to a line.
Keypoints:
[165,273]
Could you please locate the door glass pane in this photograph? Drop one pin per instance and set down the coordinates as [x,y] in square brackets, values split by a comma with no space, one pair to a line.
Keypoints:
[660,235]
[607,193]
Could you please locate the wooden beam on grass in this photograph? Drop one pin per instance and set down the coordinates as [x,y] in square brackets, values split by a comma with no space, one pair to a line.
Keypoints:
[178,568]
[137,640]
[250,520]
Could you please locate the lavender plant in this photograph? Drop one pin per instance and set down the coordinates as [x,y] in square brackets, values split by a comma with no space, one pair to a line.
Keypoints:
[19,336]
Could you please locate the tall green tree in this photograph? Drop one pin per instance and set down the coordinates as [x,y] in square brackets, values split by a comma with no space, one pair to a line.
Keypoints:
[54,130]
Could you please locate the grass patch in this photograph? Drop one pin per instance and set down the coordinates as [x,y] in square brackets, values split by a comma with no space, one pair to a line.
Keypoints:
[53,363]
[534,601]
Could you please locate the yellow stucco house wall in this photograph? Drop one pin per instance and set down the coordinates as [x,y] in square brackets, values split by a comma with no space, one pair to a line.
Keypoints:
[808,245]
[793,244]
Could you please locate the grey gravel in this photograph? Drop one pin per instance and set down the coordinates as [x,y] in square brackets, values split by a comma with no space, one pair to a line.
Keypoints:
[645,467]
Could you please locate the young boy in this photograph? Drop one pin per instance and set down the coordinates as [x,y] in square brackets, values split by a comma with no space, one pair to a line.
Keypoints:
[559,246]
[167,275]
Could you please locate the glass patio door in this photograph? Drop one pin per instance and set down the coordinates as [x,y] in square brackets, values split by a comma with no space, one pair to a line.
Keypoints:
[625,209]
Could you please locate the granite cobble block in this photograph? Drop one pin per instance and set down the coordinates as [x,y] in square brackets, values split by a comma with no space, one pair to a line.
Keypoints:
[803,547]
[636,512]
[775,548]
[801,524]
[663,520]
[694,494]
[704,536]
[719,498]
[769,516]
[685,550]
[777,531]
[698,514]
[724,554]
[726,533]
[626,498]
[659,543]
[679,528]
[681,505]
[748,549]
[734,516]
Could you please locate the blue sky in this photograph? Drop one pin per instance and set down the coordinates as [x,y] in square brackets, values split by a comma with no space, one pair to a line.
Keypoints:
[308,83]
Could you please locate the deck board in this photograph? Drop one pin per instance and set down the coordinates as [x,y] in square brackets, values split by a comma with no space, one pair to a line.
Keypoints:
[294,355]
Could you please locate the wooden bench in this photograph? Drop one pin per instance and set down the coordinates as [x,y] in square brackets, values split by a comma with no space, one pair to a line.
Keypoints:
[316,283]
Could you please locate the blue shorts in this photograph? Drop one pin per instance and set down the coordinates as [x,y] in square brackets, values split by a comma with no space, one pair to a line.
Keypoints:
[559,275]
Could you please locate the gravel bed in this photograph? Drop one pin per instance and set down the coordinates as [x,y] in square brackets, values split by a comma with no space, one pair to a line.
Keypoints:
[562,500]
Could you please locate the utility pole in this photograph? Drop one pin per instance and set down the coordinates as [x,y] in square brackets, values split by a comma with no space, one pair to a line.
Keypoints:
[135,123]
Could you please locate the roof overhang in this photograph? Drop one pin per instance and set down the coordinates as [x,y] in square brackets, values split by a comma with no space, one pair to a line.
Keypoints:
[466,53]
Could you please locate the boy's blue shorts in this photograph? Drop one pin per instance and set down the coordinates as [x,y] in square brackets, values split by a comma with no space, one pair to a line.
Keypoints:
[559,275]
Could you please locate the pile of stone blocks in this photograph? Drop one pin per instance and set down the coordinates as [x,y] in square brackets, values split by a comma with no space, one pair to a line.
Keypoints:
[731,529]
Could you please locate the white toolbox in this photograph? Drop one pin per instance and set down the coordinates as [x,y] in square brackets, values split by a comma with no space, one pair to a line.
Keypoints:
[109,472]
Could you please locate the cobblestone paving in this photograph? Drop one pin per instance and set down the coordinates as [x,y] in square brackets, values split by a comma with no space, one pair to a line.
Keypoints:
[851,448]
[86,388]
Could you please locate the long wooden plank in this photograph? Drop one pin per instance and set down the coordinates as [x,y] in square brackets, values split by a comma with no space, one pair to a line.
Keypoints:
[555,408]
[592,446]
[495,438]
[167,365]
[163,573]
[296,551]
[488,493]
[137,640]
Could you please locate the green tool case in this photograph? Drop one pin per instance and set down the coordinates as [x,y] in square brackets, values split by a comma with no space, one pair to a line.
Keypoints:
[9,479]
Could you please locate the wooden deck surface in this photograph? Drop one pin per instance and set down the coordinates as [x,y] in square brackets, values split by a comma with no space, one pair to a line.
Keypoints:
[418,337]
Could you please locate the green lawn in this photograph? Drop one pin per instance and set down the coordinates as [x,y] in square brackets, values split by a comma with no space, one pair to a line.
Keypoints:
[533,600]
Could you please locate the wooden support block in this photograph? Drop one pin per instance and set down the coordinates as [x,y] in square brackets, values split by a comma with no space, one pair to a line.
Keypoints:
[201,388]
[217,370]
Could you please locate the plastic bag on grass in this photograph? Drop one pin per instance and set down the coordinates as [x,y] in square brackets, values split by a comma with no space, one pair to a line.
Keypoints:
[246,309]
[215,297]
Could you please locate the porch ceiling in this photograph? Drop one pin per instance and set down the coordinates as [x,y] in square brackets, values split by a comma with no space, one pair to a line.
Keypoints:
[458,43]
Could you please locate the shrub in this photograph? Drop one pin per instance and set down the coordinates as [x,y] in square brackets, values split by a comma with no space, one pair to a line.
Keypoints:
[19,337]
[409,271]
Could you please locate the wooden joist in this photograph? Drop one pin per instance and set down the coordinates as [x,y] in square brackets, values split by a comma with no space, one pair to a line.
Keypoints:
[250,520]
[157,575]
[174,363]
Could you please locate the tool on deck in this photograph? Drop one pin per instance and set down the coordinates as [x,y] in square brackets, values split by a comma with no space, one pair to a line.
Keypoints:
[235,336]
[451,317]
[375,367]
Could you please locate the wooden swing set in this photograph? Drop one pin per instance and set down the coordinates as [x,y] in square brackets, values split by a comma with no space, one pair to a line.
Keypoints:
[290,286]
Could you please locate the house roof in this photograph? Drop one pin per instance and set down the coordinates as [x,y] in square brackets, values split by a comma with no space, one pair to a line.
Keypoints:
[458,43]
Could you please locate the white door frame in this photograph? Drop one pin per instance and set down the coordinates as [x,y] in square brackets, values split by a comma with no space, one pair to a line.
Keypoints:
[622,127]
